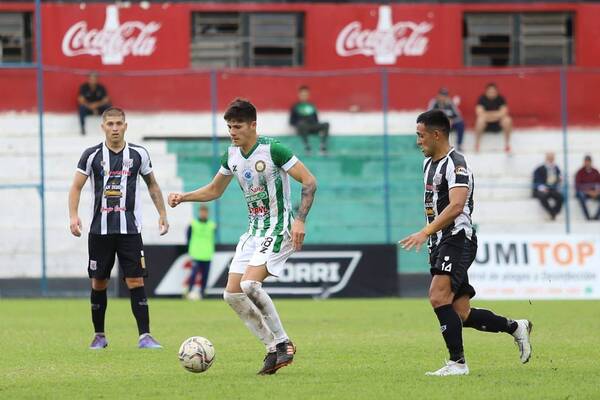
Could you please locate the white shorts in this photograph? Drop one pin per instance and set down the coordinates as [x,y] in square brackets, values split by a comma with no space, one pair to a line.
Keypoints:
[270,250]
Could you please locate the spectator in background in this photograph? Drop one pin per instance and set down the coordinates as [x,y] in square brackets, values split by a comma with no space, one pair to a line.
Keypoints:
[201,248]
[303,117]
[546,186]
[93,99]
[443,102]
[492,115]
[587,186]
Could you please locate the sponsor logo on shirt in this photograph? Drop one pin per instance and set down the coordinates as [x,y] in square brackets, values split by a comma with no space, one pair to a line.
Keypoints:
[119,173]
[113,209]
[113,190]
[256,197]
[258,212]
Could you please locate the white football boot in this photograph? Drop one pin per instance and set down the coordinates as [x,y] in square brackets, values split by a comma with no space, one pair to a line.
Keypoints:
[451,368]
[521,335]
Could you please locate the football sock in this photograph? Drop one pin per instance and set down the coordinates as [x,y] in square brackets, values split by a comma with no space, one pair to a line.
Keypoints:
[263,302]
[247,311]
[451,327]
[139,307]
[485,320]
[98,300]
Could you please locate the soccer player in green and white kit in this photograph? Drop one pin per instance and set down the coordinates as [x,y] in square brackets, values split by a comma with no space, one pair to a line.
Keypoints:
[261,166]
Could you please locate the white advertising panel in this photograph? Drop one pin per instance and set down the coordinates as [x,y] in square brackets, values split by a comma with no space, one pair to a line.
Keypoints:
[537,267]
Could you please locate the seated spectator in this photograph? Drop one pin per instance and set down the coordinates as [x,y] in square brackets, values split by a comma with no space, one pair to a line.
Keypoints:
[492,116]
[546,186]
[587,186]
[303,117]
[443,102]
[92,99]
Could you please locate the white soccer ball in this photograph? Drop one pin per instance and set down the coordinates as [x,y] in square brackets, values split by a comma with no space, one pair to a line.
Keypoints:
[196,354]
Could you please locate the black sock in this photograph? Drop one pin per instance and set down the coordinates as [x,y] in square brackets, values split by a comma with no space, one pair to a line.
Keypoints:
[485,320]
[451,327]
[139,306]
[98,300]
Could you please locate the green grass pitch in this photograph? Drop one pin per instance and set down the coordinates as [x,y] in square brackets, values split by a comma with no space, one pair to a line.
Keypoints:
[347,349]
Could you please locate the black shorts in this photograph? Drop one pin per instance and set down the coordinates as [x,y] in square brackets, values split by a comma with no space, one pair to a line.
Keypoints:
[493,127]
[129,249]
[453,256]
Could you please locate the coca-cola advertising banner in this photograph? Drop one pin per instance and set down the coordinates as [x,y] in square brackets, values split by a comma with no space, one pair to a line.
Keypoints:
[381,35]
[157,36]
[107,36]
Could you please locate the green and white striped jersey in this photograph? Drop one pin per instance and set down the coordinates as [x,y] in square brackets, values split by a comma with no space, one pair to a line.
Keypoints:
[262,175]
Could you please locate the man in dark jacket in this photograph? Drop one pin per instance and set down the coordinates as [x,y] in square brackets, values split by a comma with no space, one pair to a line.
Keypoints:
[546,186]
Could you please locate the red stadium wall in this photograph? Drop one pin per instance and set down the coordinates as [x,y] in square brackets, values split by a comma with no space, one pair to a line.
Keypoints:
[152,72]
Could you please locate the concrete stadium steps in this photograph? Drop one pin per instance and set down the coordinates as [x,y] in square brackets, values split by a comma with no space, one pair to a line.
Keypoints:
[349,206]
[20,252]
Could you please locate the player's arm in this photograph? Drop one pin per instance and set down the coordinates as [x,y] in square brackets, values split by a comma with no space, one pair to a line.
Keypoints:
[74,197]
[309,186]
[212,191]
[157,199]
[502,111]
[458,197]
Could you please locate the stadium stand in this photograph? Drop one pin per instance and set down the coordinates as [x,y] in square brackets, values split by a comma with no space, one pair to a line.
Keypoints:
[350,206]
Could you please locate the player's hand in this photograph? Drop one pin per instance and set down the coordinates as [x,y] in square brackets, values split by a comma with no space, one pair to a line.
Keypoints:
[297,234]
[163,225]
[415,240]
[175,198]
[75,226]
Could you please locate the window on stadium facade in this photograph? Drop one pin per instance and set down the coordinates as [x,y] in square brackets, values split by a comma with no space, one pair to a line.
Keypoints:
[513,39]
[15,37]
[236,39]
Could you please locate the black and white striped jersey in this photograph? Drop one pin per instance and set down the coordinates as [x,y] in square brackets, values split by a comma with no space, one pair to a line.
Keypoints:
[117,207]
[439,177]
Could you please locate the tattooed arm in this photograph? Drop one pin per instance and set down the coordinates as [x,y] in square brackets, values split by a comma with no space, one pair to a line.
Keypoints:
[309,186]
[157,199]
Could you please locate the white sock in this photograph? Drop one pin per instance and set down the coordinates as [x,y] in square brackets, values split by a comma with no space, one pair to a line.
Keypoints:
[247,311]
[265,305]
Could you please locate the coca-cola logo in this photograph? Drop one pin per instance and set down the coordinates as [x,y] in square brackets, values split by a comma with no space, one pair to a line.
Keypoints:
[385,43]
[113,42]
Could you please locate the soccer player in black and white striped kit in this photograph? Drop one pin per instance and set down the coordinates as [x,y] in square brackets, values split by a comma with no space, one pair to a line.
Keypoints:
[114,167]
[453,245]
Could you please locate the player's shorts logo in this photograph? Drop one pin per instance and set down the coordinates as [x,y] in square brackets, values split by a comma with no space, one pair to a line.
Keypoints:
[260,166]
[93,265]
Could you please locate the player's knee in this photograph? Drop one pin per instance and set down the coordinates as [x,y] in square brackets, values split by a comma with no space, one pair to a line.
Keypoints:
[99,284]
[463,314]
[439,298]
[250,287]
[133,283]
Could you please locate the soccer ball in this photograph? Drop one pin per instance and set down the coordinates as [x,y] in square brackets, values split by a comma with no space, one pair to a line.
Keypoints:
[196,354]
